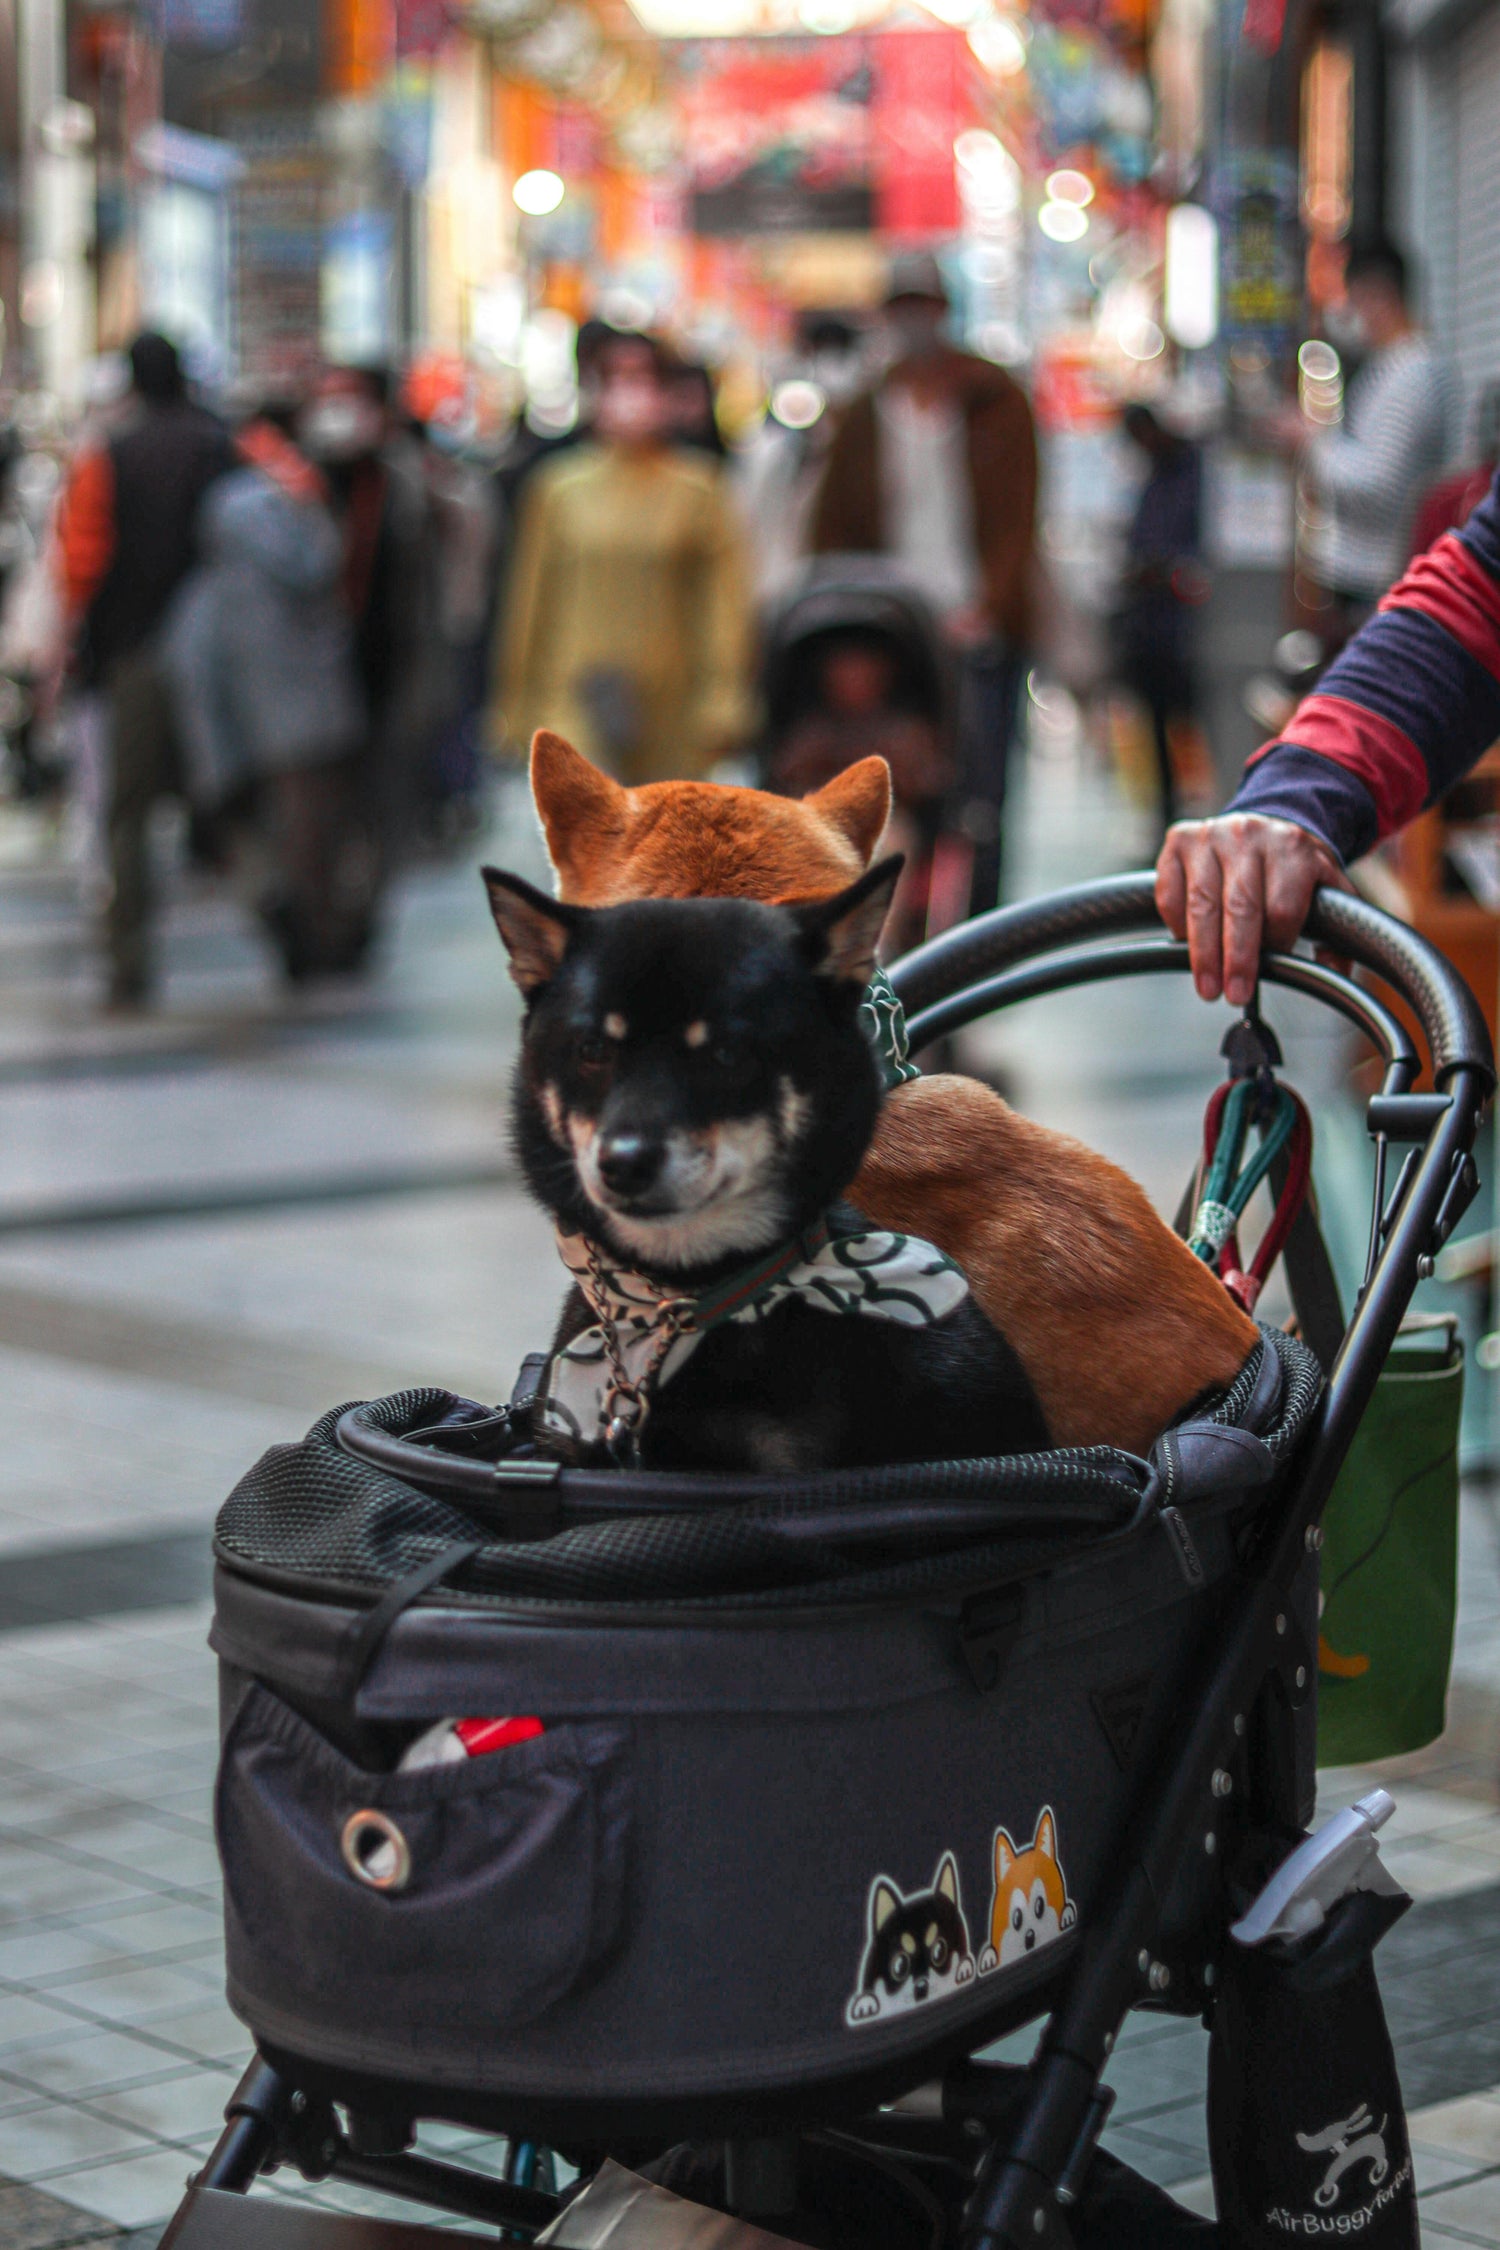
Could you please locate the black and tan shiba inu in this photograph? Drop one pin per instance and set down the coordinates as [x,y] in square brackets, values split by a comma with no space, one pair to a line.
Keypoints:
[1118,1325]
[694,1094]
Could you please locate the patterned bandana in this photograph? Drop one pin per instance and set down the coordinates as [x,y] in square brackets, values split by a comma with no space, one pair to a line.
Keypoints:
[882,1276]
[883,1021]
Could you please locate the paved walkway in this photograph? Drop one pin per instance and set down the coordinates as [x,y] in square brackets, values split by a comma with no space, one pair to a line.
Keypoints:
[218,1220]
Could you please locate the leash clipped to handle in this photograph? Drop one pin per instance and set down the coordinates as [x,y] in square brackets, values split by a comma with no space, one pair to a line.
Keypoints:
[1252,1095]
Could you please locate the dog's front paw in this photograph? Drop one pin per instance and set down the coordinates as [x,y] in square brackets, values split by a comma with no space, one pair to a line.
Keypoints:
[988,1959]
[862,2007]
[964,1973]
[1068,1916]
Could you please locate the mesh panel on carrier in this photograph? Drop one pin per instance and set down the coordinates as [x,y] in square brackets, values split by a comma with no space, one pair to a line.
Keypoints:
[311,1512]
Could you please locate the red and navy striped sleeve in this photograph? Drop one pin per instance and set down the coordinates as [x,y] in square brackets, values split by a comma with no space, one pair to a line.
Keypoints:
[1404,710]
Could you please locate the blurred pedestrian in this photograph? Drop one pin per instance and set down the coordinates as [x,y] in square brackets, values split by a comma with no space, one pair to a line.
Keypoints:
[530,447]
[692,414]
[936,466]
[1398,426]
[465,523]
[627,622]
[778,469]
[378,495]
[1163,586]
[258,650]
[127,539]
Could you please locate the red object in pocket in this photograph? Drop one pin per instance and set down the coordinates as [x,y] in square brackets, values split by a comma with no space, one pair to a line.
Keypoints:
[480,1736]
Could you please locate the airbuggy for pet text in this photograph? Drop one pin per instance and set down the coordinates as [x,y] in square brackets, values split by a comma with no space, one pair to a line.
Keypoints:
[837,1779]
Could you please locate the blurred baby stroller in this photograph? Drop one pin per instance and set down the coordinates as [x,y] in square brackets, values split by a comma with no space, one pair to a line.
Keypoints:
[854,666]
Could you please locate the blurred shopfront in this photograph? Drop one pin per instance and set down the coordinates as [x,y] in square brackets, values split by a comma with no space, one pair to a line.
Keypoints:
[1445,133]
[1133,200]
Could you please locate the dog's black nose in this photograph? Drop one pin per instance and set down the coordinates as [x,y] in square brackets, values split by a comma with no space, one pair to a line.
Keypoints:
[628,1161]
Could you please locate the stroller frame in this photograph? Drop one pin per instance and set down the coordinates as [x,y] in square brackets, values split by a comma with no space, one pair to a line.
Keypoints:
[1231,1757]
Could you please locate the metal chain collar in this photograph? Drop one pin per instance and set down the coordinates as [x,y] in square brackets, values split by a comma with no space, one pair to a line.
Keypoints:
[627,1403]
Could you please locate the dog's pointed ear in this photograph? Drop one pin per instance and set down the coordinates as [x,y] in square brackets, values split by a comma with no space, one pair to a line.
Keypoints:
[535,929]
[857,802]
[885,1900]
[842,932]
[584,813]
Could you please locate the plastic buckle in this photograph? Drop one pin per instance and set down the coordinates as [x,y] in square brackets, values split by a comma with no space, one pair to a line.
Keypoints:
[534,1513]
[531,1384]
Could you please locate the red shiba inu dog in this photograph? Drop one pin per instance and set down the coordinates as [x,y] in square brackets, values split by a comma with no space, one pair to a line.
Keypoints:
[1118,1326]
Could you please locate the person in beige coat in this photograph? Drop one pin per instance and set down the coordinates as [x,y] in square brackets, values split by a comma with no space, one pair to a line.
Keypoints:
[627,621]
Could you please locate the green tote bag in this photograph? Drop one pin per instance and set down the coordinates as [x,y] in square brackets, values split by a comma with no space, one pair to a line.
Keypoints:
[1390,1557]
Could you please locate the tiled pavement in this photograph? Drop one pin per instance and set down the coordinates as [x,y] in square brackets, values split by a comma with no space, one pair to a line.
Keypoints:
[145,1361]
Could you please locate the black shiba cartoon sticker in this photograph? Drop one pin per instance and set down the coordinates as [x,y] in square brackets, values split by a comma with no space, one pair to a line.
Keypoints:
[917,1949]
[1031,1905]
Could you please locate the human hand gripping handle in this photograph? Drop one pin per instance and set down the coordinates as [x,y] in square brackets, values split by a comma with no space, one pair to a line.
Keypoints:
[1235,885]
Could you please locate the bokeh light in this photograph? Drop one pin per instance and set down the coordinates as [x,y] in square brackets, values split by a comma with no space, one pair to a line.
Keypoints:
[537,193]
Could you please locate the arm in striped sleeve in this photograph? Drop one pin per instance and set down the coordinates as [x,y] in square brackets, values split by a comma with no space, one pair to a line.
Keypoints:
[1404,711]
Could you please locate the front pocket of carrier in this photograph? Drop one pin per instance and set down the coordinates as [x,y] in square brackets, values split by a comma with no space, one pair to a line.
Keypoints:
[468,1897]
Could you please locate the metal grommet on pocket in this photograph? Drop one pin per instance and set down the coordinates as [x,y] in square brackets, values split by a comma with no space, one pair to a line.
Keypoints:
[375,1850]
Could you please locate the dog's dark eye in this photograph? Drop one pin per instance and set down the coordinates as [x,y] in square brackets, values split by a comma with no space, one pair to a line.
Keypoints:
[727,1057]
[938,1953]
[592,1053]
[897,1968]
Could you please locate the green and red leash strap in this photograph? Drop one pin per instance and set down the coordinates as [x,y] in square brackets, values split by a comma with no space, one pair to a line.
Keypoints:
[1229,1180]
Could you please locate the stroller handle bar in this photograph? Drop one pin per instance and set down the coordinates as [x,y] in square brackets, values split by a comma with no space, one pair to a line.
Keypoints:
[1124,906]
[1075,936]
[1083,964]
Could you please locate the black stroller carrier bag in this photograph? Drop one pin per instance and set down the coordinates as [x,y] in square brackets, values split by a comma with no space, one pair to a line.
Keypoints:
[824,1783]
[698,1880]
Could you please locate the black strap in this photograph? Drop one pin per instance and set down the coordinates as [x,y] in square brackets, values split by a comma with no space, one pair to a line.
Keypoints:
[1309,1275]
[531,1385]
[364,1642]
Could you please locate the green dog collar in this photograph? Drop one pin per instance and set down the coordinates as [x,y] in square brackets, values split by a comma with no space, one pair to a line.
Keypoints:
[884,1021]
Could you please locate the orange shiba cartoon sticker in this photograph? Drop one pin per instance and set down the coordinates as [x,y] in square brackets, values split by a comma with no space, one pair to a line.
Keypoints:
[1031,1904]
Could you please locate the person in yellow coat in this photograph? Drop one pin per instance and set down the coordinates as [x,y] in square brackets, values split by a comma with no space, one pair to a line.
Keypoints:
[627,620]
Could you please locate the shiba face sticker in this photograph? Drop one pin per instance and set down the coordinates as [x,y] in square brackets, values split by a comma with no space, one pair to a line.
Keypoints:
[917,1949]
[1031,1904]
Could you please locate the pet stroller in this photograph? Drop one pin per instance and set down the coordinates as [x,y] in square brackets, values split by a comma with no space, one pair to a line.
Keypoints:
[842,1777]
[854,666]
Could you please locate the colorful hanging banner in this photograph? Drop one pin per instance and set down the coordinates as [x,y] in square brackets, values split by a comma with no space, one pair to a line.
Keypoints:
[918,99]
[777,135]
